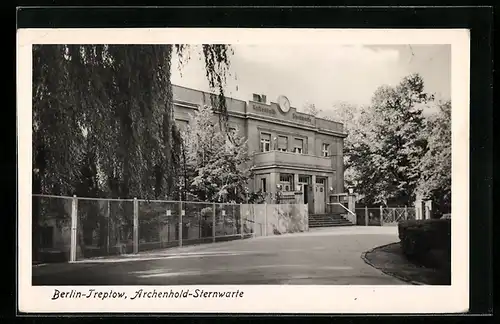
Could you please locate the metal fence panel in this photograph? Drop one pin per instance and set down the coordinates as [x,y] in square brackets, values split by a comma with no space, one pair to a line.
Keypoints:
[52,232]
[158,224]
[108,227]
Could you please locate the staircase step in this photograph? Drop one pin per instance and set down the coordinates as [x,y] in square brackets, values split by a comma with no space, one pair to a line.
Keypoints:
[331,225]
[325,223]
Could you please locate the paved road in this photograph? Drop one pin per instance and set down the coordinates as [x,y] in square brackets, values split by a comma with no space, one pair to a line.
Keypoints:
[323,257]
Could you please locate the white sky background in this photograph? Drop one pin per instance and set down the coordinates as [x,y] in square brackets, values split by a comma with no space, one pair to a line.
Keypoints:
[322,74]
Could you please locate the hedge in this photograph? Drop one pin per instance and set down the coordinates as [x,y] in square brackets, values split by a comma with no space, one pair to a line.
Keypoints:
[427,241]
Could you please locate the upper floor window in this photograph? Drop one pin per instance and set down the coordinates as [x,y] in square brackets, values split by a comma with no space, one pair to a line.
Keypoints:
[282,143]
[265,142]
[325,149]
[298,146]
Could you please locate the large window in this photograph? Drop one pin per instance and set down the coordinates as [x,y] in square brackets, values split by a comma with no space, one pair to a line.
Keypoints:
[298,146]
[282,143]
[325,150]
[265,142]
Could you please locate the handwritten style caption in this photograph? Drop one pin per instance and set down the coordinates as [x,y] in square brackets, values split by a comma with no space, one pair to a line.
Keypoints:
[145,294]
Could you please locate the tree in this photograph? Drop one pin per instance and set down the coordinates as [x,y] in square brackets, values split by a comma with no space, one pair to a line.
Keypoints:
[217,159]
[388,142]
[102,119]
[435,166]
[311,110]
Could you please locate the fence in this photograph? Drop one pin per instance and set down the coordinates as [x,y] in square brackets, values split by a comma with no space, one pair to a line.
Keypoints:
[383,216]
[74,228]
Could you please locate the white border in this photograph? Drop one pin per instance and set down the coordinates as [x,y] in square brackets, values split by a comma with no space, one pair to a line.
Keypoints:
[263,299]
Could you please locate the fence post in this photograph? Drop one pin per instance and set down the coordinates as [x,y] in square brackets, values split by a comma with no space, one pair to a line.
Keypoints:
[136,225]
[74,226]
[406,212]
[241,223]
[213,222]
[181,228]
[254,226]
[108,215]
[367,219]
[265,219]
[381,216]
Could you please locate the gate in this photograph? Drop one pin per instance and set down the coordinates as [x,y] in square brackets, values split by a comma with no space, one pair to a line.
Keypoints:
[391,216]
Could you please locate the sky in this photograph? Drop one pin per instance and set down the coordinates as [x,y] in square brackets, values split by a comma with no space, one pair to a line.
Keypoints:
[324,74]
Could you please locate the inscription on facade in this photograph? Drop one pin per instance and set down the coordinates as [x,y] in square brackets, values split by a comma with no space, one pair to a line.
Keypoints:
[302,118]
[264,109]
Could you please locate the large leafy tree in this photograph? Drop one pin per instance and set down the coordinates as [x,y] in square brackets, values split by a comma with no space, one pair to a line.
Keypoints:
[388,142]
[103,118]
[218,160]
[435,166]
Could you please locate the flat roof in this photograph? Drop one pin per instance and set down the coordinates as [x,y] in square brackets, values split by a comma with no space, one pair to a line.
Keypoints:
[248,101]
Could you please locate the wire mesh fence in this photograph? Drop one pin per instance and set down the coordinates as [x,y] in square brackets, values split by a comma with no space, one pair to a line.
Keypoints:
[383,216]
[74,228]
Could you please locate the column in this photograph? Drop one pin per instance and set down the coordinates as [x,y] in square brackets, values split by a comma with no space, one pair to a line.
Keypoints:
[272,186]
[295,181]
[312,202]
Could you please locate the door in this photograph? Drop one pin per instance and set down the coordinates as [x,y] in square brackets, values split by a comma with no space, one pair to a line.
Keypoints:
[309,197]
[319,198]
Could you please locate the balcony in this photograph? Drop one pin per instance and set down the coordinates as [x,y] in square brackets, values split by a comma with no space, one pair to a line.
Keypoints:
[284,159]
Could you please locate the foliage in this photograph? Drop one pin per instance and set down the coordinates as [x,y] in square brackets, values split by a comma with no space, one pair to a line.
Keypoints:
[312,110]
[258,197]
[103,118]
[421,239]
[387,142]
[435,167]
[217,159]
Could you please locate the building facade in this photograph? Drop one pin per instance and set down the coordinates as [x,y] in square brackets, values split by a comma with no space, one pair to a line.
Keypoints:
[291,151]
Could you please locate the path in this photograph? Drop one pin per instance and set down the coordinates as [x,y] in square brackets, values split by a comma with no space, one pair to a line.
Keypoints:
[322,257]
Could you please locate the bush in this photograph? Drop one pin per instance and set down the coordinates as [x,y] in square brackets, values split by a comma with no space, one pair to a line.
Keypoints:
[427,241]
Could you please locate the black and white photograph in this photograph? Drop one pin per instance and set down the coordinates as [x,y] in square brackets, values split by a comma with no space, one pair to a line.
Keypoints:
[204,168]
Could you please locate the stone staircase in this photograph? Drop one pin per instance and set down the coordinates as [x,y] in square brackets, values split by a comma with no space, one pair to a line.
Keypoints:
[328,220]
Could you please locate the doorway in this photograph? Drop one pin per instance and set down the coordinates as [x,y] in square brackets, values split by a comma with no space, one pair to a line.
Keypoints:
[319,195]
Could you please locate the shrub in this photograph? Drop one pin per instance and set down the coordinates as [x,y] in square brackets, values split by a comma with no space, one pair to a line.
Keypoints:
[427,241]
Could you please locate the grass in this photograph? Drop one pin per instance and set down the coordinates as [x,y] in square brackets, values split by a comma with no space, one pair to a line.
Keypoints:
[391,260]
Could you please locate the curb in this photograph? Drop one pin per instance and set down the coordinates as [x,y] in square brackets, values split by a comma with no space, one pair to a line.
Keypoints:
[364,258]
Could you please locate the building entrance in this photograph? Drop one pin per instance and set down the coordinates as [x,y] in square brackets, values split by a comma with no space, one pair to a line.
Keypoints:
[319,195]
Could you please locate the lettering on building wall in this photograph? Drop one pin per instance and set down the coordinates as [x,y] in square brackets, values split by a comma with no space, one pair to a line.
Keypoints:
[263,109]
[302,118]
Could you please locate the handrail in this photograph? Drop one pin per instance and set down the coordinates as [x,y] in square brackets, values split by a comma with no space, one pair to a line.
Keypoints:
[342,207]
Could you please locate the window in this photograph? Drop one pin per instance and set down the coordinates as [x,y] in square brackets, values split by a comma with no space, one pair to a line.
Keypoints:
[298,146]
[325,149]
[263,185]
[286,181]
[265,142]
[285,177]
[304,179]
[321,180]
[282,143]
